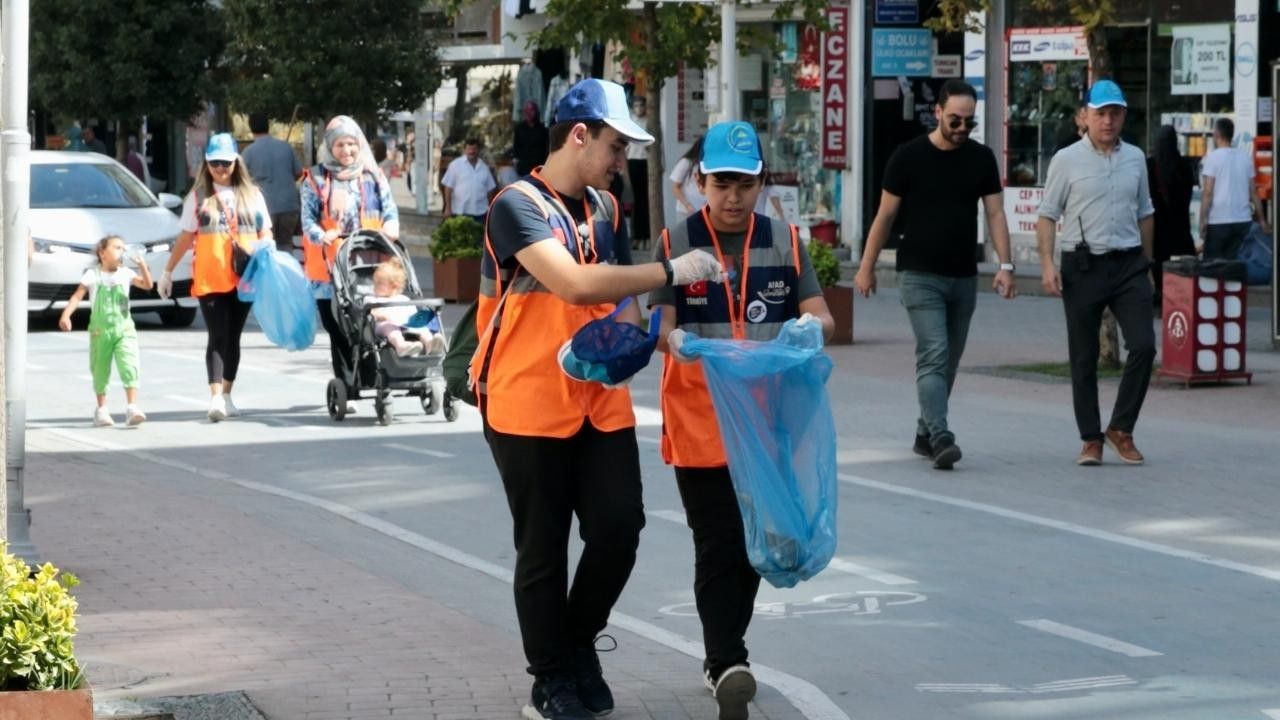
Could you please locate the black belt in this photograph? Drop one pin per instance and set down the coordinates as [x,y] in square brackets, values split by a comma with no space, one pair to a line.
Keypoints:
[1135,250]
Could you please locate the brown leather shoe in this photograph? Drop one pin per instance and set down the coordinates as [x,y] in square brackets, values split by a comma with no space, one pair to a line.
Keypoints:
[1091,453]
[1122,443]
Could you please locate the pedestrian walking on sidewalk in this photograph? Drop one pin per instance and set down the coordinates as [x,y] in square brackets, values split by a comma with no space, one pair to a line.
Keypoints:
[751,303]
[557,257]
[223,210]
[112,335]
[934,182]
[275,168]
[345,192]
[468,183]
[1229,197]
[1098,188]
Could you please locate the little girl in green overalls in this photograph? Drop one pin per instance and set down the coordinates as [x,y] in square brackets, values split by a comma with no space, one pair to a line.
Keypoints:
[111,331]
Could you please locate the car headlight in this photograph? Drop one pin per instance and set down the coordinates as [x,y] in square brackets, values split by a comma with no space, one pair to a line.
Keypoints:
[53,247]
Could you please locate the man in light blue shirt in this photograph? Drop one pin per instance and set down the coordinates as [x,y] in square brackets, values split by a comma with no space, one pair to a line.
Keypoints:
[1098,188]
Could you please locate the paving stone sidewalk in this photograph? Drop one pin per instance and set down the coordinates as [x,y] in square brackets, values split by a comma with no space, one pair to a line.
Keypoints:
[184,593]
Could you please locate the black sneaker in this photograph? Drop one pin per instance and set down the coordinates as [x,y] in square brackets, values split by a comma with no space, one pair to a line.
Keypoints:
[946,454]
[593,691]
[922,446]
[555,698]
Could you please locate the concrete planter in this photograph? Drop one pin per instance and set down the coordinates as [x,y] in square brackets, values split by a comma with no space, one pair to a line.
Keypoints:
[47,705]
[457,279]
[840,301]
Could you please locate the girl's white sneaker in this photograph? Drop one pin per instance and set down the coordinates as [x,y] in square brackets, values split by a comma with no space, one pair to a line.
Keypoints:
[232,410]
[102,418]
[217,408]
[133,415]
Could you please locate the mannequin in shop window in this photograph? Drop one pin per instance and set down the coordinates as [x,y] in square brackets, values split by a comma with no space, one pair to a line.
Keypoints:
[558,88]
[529,143]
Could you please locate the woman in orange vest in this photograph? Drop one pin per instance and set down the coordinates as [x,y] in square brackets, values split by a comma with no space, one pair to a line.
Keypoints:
[345,192]
[769,280]
[223,208]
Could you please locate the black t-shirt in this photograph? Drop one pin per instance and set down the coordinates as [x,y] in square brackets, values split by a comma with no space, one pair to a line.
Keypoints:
[939,212]
[516,223]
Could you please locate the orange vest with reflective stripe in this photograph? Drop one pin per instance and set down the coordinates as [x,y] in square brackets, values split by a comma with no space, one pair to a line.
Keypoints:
[318,257]
[519,384]
[211,267]
[690,433]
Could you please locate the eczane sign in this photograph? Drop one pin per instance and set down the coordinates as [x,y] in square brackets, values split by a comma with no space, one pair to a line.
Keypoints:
[835,79]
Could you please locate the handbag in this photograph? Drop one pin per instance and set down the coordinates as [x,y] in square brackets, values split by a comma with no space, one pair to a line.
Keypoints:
[239,256]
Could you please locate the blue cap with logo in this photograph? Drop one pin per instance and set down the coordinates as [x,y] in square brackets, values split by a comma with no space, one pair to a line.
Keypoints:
[595,100]
[221,147]
[1104,93]
[732,147]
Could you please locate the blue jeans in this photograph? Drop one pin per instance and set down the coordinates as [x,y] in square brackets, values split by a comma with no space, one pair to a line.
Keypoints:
[939,308]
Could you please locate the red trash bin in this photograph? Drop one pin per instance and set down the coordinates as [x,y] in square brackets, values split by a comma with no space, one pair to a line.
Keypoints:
[1204,325]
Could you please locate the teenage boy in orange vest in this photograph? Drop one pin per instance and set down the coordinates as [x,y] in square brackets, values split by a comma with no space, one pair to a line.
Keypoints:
[556,258]
[769,281]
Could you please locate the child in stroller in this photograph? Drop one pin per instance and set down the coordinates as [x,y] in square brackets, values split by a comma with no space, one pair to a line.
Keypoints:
[393,323]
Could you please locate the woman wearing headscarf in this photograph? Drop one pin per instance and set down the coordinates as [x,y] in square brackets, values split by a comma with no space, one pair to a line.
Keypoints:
[343,193]
[1171,182]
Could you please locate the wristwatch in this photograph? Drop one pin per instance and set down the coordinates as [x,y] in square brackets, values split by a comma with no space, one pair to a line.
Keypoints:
[1007,267]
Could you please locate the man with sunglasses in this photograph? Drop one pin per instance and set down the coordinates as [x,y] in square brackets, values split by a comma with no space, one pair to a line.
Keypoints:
[934,183]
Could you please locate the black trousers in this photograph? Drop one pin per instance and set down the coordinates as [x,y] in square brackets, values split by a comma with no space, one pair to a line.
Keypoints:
[724,583]
[596,476]
[1223,241]
[1117,280]
[339,349]
[638,170]
[224,318]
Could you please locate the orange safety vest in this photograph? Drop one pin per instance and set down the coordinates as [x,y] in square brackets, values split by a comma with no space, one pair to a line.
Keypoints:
[211,267]
[317,258]
[690,434]
[519,384]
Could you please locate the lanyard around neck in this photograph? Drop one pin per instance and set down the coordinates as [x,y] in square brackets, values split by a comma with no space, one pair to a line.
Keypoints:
[230,217]
[573,224]
[738,315]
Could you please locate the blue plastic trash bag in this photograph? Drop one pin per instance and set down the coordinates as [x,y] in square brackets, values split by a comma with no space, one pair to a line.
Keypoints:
[608,351]
[283,303]
[424,319]
[780,440]
[1257,256]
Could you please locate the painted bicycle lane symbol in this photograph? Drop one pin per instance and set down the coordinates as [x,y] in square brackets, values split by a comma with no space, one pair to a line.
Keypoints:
[863,602]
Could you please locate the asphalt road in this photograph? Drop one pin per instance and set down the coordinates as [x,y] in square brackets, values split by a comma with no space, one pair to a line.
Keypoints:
[1016,586]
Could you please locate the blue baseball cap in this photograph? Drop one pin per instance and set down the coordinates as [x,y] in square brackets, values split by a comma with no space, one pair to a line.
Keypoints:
[602,101]
[221,147]
[732,147]
[1104,93]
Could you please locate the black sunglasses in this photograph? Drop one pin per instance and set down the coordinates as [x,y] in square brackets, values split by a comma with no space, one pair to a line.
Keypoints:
[229,163]
[956,121]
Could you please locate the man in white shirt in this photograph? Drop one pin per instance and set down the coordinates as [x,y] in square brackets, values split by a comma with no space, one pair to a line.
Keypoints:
[1229,196]
[468,184]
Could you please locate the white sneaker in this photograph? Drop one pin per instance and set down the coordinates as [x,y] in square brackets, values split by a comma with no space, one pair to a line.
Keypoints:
[409,349]
[735,688]
[217,408]
[102,418]
[232,410]
[133,415]
[436,347]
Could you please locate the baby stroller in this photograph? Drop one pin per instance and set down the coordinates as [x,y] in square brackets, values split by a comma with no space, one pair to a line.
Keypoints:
[376,364]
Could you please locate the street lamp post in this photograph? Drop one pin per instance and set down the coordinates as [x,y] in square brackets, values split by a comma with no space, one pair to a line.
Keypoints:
[729,96]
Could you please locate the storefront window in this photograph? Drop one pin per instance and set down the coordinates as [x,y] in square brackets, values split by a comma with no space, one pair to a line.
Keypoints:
[1048,72]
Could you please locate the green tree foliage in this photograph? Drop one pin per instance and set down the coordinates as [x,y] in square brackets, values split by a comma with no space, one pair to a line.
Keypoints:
[123,59]
[350,57]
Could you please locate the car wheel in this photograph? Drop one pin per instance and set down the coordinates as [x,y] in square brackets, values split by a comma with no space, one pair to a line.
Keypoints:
[178,317]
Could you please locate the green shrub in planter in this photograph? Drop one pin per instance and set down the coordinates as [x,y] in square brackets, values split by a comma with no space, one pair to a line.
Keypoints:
[825,263]
[457,237]
[37,627]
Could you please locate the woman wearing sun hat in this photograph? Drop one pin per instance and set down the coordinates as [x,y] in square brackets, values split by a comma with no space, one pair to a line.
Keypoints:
[223,207]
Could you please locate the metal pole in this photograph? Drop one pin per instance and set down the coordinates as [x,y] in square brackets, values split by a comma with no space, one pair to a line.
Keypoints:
[421,167]
[729,95]
[15,146]
[851,196]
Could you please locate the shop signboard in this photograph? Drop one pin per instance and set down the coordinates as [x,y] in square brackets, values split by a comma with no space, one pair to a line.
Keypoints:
[1047,44]
[897,12]
[835,81]
[1246,70]
[946,66]
[905,52]
[1021,208]
[1201,59]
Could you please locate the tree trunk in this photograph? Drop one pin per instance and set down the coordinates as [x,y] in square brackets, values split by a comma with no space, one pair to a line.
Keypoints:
[1099,53]
[653,122]
[458,124]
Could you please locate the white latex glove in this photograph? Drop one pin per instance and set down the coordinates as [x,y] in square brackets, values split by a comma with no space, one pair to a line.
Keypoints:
[694,266]
[165,286]
[675,340]
[806,319]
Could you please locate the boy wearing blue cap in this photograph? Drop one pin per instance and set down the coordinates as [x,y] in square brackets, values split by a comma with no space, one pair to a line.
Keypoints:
[557,258]
[769,280]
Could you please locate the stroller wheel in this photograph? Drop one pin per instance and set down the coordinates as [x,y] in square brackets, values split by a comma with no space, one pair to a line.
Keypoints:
[336,399]
[430,402]
[450,409]
[382,402]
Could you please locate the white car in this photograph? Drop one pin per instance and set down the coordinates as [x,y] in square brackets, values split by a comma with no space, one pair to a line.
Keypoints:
[77,198]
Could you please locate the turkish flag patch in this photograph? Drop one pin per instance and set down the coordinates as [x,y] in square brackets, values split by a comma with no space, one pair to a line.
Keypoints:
[698,289]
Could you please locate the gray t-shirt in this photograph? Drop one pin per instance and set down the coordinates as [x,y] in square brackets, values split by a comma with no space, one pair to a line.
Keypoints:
[731,245]
[274,166]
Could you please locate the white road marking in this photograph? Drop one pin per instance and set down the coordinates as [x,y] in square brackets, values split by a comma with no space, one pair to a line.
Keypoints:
[1059,686]
[1089,638]
[965,688]
[1273,714]
[812,703]
[418,450]
[188,401]
[836,563]
[1262,572]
